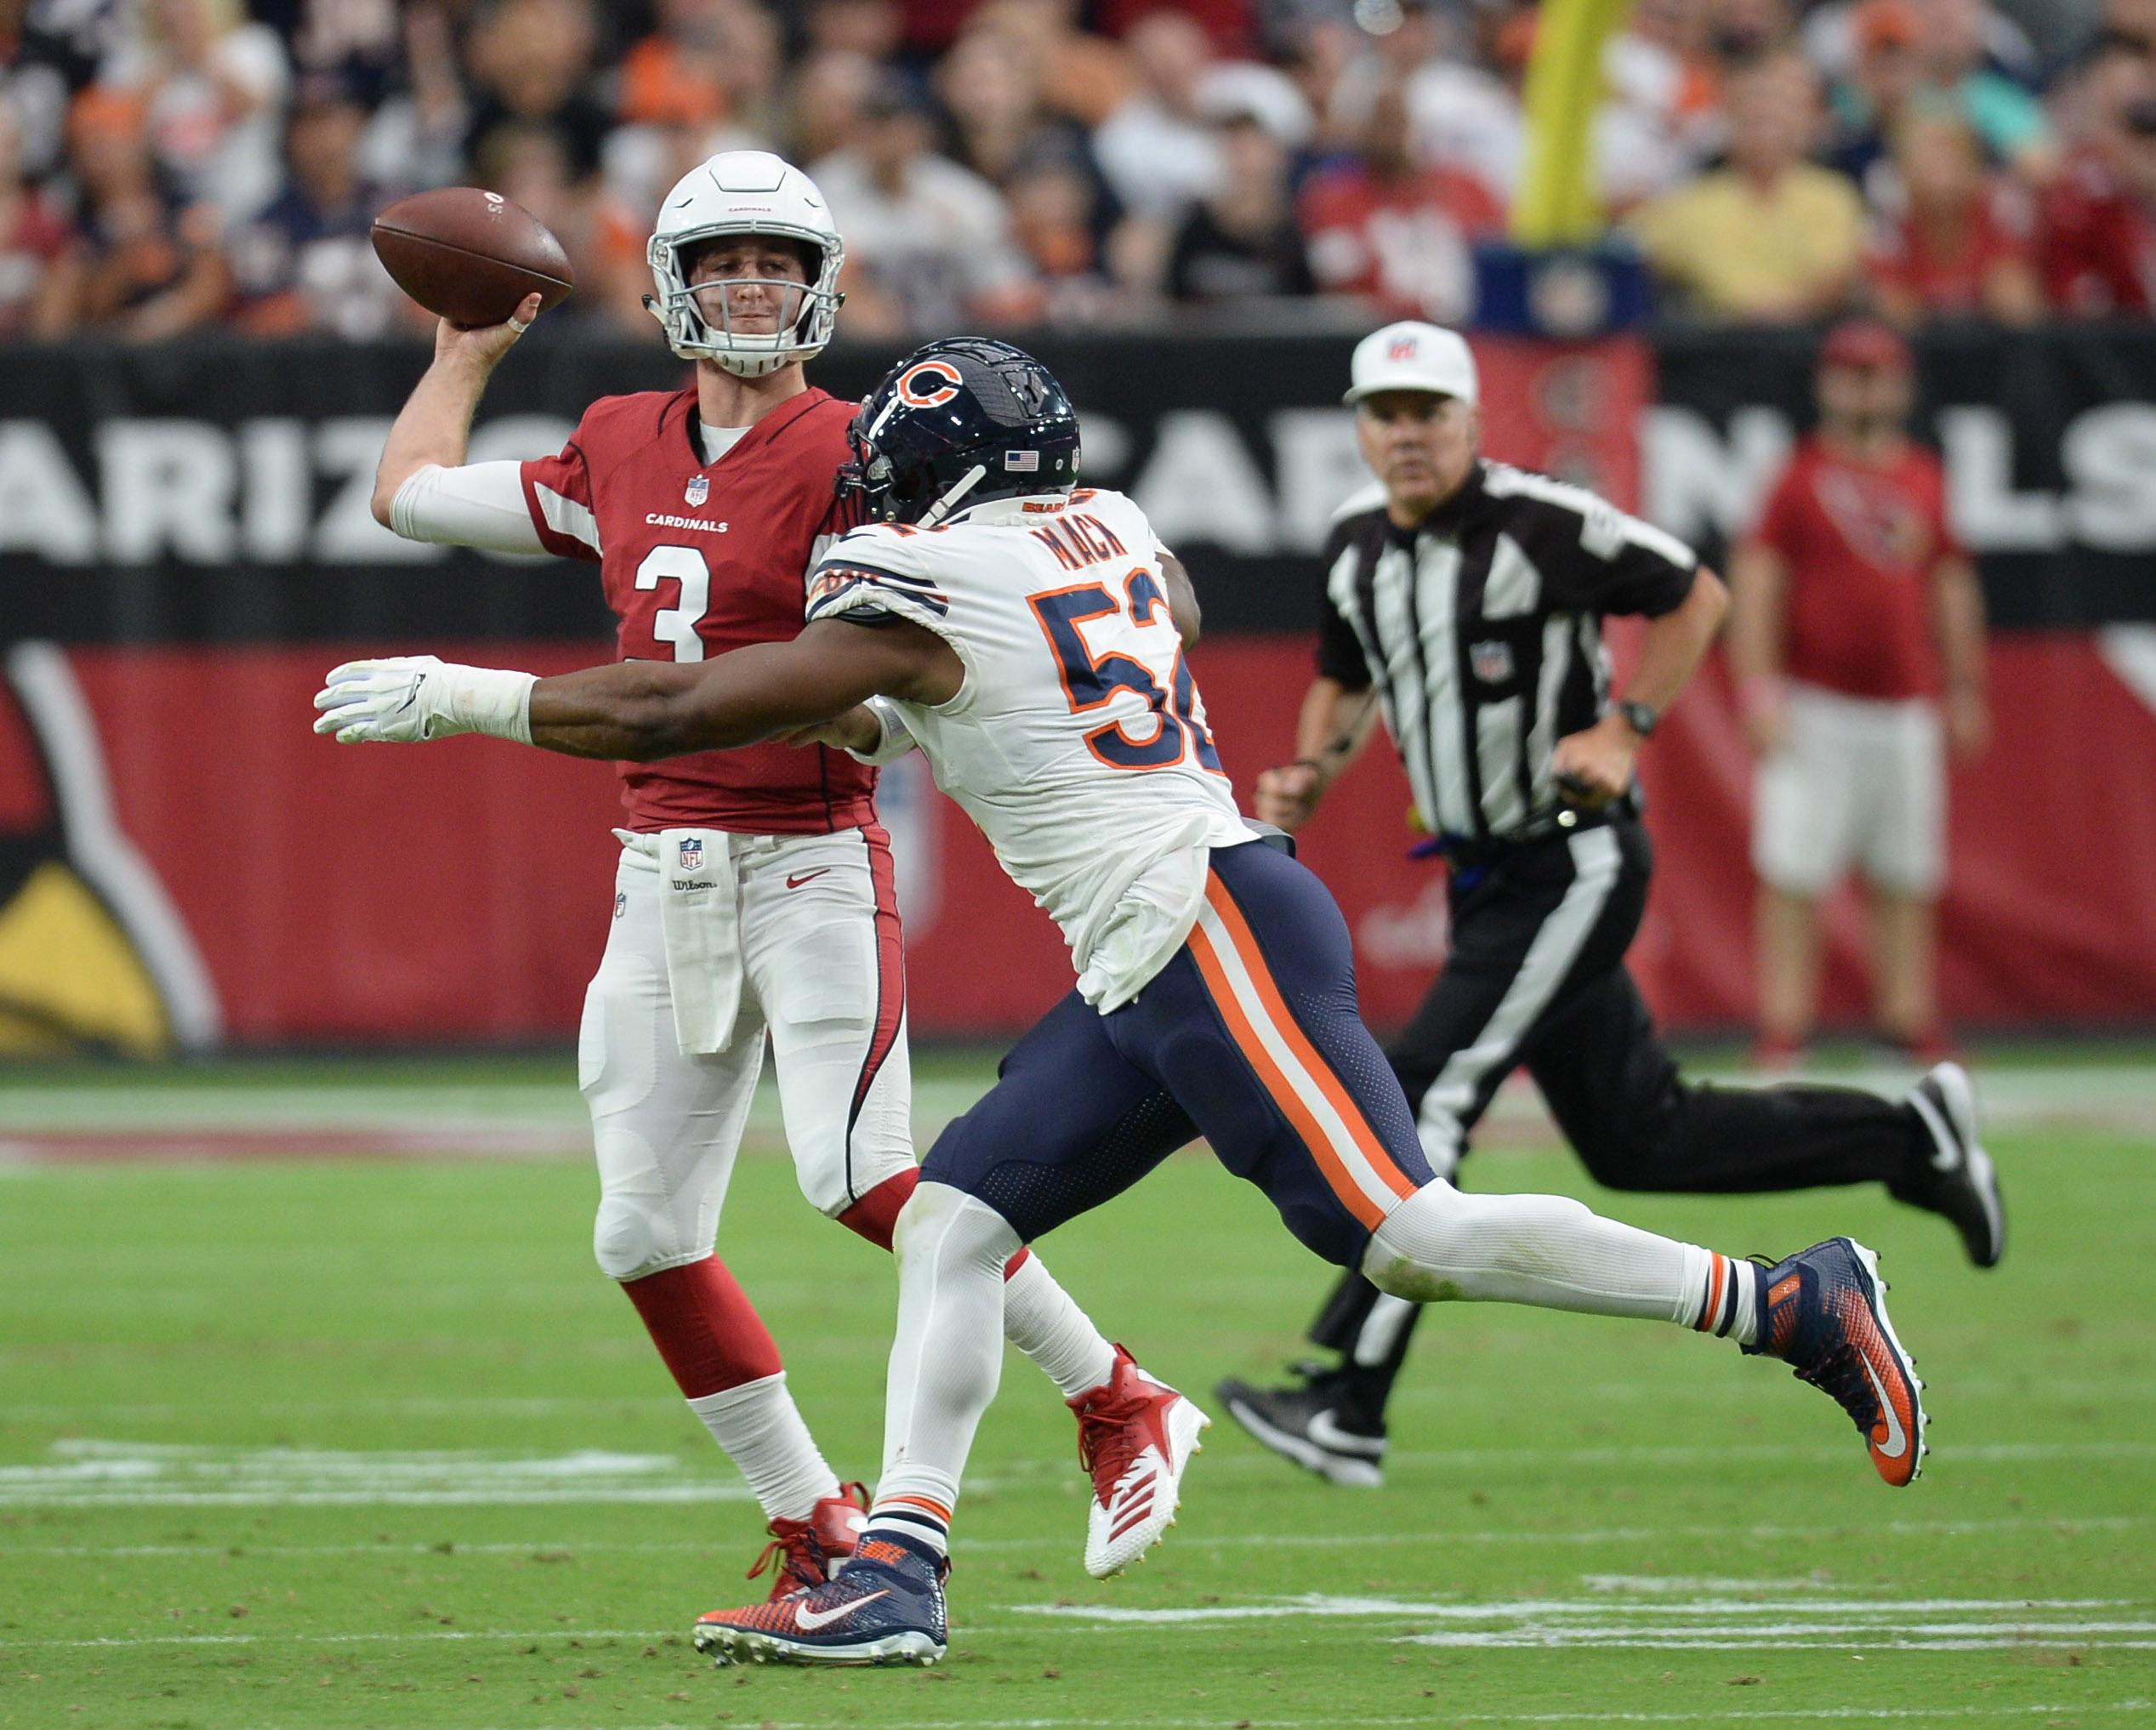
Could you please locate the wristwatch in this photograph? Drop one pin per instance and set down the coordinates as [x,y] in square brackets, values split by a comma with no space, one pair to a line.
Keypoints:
[1639,716]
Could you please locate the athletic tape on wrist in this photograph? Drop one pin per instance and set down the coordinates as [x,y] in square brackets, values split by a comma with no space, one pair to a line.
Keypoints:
[491,700]
[895,741]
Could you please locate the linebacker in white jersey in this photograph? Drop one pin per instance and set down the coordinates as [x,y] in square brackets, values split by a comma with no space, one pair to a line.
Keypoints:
[1021,633]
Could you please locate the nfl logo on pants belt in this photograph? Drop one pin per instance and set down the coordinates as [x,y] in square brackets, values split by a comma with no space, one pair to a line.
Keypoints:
[692,854]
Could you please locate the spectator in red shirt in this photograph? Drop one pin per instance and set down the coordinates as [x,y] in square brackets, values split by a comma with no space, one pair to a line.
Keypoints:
[1390,230]
[2097,222]
[1857,639]
[1958,243]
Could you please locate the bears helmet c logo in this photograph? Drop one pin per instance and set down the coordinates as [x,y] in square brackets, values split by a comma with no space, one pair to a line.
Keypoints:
[917,387]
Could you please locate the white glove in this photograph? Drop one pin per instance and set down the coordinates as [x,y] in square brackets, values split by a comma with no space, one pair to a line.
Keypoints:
[404,699]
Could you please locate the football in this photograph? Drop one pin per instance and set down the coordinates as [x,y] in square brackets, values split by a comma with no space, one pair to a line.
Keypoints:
[470,256]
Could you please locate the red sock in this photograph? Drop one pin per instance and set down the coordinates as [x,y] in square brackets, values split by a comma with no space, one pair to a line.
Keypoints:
[705,1327]
[875,1214]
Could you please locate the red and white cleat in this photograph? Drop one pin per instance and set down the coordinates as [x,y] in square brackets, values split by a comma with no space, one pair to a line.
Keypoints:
[808,1553]
[1136,1435]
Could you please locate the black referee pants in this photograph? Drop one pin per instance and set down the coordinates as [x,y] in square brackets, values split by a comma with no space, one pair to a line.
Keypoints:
[1536,976]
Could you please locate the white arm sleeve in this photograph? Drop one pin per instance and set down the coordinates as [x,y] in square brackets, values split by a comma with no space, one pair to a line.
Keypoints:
[481,504]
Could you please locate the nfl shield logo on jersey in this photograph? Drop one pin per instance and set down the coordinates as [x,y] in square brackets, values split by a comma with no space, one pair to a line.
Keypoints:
[692,854]
[1491,661]
[697,489]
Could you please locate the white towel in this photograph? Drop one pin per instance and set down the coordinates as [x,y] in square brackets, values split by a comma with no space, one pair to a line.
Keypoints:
[699,919]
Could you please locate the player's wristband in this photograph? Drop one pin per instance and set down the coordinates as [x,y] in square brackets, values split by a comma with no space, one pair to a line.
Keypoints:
[491,700]
[895,742]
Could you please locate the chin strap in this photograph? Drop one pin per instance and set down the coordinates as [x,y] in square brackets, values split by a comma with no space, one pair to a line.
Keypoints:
[944,506]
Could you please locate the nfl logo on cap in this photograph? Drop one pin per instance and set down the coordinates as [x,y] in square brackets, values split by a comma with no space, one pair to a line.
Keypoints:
[692,853]
[697,489]
[1413,357]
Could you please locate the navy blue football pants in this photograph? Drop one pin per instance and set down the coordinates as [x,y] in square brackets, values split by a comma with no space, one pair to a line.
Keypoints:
[1249,1037]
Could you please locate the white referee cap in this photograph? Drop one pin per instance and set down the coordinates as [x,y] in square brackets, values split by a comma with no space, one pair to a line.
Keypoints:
[1412,357]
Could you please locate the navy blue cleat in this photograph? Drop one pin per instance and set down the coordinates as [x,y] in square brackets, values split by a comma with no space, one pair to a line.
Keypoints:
[1823,1312]
[885,1606]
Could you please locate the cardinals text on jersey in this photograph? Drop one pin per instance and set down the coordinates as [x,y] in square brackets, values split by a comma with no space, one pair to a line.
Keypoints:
[698,558]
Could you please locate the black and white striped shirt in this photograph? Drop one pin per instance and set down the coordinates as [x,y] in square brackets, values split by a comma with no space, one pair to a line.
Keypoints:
[1481,629]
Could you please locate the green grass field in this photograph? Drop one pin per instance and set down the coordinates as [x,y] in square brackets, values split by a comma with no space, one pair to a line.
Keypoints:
[369,1441]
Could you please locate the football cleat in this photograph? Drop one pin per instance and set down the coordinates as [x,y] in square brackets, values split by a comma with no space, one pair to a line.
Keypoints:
[1136,1435]
[808,1553]
[887,1607]
[1310,1425]
[1958,1180]
[1823,1312]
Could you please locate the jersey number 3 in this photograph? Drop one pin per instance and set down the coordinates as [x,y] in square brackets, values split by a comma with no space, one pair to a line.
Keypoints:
[677,624]
[1091,680]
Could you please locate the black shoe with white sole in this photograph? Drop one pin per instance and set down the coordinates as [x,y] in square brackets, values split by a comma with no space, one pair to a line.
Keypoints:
[1957,1180]
[1309,1425]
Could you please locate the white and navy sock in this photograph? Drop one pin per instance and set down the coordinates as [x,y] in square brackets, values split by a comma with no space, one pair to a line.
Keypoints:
[920,1516]
[1728,1304]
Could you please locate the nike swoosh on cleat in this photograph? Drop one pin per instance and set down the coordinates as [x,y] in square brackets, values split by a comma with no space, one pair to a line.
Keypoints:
[809,1621]
[1947,1152]
[1326,1433]
[1897,1442]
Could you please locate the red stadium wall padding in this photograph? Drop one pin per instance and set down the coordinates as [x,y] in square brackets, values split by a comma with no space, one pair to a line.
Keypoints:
[460,891]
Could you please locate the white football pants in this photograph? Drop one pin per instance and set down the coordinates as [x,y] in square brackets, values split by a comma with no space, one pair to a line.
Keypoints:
[822,974]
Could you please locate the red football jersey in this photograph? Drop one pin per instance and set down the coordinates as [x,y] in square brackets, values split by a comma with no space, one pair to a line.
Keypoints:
[2095,241]
[1901,254]
[1862,545]
[1407,244]
[699,558]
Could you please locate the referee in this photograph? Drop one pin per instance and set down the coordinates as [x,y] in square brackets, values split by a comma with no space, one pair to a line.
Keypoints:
[1463,602]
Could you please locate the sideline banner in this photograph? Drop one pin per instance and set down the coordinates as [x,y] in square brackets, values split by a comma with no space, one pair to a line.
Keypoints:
[241,881]
[184,548]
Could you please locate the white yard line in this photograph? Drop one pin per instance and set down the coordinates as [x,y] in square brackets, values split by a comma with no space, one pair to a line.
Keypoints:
[1830,1621]
[93,1473]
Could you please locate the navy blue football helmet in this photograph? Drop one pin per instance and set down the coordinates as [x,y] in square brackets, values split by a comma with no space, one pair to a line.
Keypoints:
[954,424]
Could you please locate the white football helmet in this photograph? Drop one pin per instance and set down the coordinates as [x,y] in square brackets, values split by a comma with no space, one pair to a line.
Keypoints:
[744,192]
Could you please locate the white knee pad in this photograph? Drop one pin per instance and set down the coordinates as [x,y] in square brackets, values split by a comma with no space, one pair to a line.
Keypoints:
[641,1229]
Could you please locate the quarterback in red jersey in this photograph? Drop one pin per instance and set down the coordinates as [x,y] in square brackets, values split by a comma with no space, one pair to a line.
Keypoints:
[1857,639]
[754,897]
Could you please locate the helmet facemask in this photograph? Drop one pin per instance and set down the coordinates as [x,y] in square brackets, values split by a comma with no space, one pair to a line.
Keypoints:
[699,318]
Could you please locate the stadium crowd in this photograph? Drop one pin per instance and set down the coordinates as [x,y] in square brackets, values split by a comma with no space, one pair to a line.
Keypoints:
[168,164]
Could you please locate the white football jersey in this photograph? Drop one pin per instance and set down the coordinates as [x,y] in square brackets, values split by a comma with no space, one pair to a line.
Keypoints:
[1077,742]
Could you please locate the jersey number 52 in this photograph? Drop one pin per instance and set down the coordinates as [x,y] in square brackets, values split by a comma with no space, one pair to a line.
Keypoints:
[1091,680]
